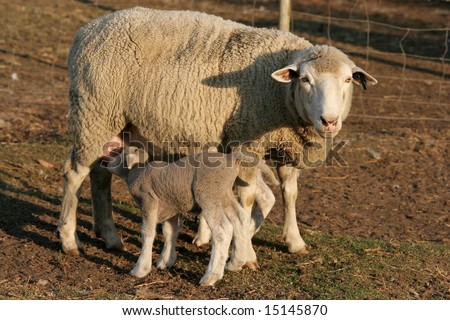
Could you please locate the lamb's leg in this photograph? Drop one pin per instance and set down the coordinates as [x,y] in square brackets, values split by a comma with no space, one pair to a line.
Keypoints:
[149,221]
[246,189]
[203,233]
[101,207]
[291,234]
[222,232]
[241,238]
[74,175]
[264,203]
[168,255]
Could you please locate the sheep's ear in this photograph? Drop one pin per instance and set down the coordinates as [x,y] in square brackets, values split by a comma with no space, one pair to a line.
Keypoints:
[286,74]
[362,78]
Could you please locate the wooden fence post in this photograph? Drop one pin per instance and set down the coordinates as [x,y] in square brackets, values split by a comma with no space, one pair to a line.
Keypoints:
[285,15]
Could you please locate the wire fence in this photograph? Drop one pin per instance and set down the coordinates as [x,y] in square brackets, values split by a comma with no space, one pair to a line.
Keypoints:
[410,59]
[399,42]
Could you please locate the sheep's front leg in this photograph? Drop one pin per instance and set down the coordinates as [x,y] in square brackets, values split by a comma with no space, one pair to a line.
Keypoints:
[289,188]
[149,221]
[168,255]
[101,207]
[74,175]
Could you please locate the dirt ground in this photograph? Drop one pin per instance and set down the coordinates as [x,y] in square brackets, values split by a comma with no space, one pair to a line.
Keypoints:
[394,186]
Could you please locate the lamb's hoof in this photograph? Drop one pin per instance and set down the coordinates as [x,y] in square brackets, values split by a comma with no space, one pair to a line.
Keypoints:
[209,281]
[139,273]
[200,242]
[252,265]
[161,265]
[233,266]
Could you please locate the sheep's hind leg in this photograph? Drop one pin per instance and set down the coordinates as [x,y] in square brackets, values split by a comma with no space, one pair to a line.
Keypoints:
[102,209]
[291,233]
[74,175]
[168,255]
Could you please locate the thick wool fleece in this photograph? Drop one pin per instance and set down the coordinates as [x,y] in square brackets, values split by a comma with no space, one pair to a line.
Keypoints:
[181,74]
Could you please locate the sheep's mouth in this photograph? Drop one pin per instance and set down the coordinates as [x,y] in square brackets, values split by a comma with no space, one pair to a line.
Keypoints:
[327,134]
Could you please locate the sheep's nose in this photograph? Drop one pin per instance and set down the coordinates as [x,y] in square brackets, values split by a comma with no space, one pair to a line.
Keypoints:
[329,122]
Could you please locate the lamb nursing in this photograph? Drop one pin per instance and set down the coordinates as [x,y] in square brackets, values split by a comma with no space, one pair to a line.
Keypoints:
[198,182]
[136,74]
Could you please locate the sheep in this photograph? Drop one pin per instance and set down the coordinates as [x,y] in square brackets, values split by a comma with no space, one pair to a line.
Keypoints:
[193,80]
[197,182]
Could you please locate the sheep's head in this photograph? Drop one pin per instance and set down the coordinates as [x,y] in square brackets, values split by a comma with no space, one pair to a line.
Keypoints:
[320,79]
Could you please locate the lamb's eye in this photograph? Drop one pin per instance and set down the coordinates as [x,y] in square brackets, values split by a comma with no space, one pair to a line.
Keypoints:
[348,79]
[304,79]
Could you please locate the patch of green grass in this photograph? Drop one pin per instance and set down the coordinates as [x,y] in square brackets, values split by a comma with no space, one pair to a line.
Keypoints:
[347,267]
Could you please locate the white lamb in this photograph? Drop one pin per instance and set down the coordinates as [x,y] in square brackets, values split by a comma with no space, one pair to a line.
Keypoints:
[195,79]
[197,182]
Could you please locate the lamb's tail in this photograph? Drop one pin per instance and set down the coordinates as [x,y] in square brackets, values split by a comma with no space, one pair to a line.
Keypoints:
[267,173]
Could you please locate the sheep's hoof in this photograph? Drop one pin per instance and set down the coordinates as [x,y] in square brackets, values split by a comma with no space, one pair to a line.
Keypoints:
[299,249]
[118,246]
[72,252]
[252,265]
[303,250]
[112,239]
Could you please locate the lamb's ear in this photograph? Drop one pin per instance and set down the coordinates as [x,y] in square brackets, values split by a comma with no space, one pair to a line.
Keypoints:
[132,156]
[286,74]
[362,78]
[143,156]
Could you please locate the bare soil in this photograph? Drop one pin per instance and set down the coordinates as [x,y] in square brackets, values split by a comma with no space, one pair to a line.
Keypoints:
[394,186]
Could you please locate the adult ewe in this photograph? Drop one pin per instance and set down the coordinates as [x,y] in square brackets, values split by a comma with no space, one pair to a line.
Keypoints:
[194,79]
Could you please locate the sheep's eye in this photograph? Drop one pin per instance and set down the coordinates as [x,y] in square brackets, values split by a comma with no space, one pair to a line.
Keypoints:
[348,79]
[304,79]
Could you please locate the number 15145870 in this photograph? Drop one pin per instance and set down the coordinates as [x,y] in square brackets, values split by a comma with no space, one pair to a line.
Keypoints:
[296,310]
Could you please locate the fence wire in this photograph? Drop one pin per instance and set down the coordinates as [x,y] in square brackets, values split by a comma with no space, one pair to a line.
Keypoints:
[403,58]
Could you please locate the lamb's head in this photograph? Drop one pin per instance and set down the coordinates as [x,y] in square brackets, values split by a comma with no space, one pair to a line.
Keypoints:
[320,79]
[121,163]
